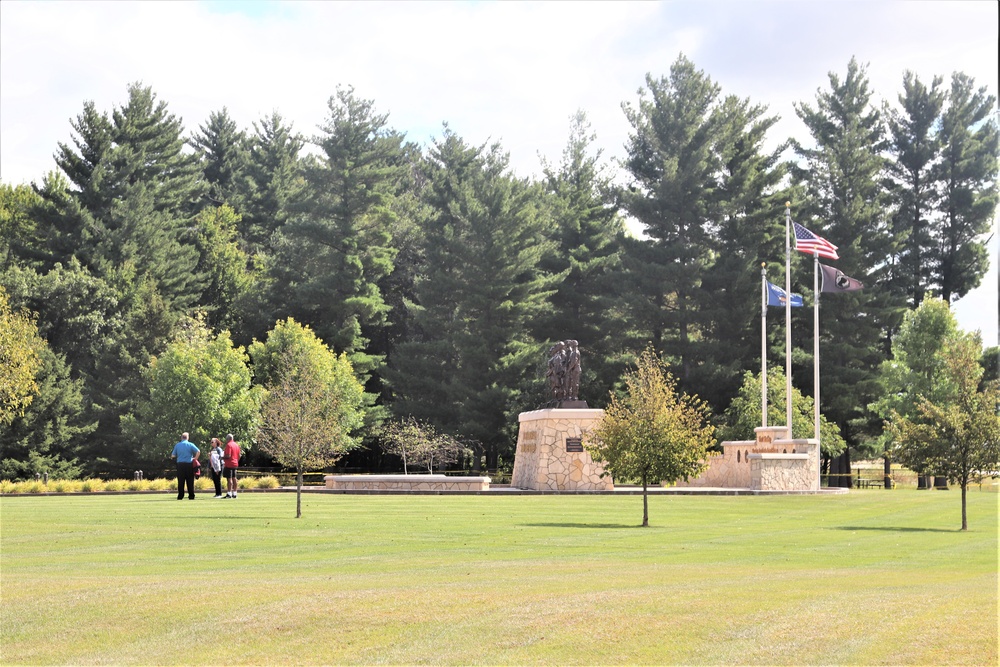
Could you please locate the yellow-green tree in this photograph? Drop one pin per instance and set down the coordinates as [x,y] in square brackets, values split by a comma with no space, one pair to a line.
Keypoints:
[958,434]
[652,433]
[313,404]
[20,360]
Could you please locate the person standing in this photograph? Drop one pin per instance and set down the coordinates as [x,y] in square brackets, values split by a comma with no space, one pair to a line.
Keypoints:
[215,463]
[231,459]
[185,453]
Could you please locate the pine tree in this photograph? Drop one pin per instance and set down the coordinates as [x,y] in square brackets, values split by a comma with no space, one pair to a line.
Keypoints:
[223,149]
[333,253]
[275,181]
[586,305]
[672,167]
[471,350]
[747,231]
[846,204]
[915,148]
[968,178]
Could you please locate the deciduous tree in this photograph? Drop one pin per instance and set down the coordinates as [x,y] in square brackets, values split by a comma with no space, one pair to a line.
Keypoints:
[958,432]
[653,432]
[312,408]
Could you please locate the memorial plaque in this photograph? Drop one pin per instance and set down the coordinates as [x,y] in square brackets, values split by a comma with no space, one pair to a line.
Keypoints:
[574,444]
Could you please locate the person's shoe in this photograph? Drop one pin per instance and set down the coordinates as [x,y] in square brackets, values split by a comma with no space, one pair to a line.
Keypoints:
[226,497]
[181,498]
[217,495]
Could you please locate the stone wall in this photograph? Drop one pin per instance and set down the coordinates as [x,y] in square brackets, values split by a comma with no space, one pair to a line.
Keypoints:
[772,462]
[406,483]
[780,472]
[550,456]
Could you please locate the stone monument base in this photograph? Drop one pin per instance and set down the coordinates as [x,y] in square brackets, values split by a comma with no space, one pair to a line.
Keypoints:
[550,454]
[771,462]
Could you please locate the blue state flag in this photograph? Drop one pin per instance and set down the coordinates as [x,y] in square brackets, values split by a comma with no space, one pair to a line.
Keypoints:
[776,297]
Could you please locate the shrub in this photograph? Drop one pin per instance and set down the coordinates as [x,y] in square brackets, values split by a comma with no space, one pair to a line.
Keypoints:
[116,485]
[267,482]
[32,486]
[92,485]
[161,484]
[65,486]
[6,486]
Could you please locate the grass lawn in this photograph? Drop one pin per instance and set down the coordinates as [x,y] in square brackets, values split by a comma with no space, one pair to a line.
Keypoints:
[873,577]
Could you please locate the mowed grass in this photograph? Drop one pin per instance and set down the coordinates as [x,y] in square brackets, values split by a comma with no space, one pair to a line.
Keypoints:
[873,577]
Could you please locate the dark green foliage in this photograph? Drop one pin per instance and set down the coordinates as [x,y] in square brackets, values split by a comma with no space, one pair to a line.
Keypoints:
[223,149]
[332,254]
[672,165]
[747,232]
[587,304]
[846,204]
[915,146]
[480,290]
[49,436]
[461,274]
[967,174]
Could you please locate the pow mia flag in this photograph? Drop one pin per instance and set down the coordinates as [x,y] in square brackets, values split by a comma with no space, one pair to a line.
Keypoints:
[834,280]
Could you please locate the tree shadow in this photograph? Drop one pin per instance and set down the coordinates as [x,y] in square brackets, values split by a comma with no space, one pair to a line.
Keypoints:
[898,529]
[602,526]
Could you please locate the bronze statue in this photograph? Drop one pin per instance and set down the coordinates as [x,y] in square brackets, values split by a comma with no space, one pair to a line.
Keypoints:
[563,374]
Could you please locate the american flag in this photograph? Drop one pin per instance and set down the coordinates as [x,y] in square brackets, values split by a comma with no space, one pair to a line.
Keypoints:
[807,242]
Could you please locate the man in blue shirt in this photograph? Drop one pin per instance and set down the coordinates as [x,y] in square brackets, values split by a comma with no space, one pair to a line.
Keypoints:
[185,453]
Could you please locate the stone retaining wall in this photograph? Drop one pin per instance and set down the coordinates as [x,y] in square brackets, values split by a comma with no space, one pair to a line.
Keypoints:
[406,483]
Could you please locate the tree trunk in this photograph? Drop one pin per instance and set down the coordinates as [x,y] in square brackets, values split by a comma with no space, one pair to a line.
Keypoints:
[645,503]
[887,472]
[846,479]
[298,494]
[965,522]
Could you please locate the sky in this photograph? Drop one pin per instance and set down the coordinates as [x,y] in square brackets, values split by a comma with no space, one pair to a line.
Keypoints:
[512,72]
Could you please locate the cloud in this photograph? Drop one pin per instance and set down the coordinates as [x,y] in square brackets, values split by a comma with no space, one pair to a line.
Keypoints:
[512,72]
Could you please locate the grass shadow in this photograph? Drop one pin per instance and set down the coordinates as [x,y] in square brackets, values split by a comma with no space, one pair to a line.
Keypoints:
[898,529]
[603,526]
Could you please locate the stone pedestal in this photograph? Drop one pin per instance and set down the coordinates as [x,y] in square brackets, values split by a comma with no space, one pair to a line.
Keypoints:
[550,455]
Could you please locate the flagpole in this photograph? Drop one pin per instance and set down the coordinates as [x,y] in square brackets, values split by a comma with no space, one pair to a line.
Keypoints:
[788,319]
[816,292]
[763,344]
[816,345]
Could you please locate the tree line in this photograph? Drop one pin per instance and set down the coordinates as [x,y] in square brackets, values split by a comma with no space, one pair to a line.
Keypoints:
[441,275]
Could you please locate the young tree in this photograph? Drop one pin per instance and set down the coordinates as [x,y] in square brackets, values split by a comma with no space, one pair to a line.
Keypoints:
[202,385]
[653,433]
[914,372]
[960,436]
[419,444]
[312,407]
